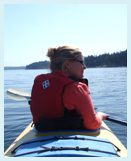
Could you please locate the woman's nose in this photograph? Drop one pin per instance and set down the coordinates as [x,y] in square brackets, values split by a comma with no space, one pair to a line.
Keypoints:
[84,66]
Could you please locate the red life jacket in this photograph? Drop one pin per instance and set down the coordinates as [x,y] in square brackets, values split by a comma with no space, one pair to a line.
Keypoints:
[47,96]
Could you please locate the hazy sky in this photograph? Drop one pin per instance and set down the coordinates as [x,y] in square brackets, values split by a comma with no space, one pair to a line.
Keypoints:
[31,29]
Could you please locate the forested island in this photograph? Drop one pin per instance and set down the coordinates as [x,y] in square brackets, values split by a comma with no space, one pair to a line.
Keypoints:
[117,59]
[38,65]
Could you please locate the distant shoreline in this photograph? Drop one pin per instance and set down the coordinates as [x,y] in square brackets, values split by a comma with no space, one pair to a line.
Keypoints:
[14,68]
[118,59]
[24,68]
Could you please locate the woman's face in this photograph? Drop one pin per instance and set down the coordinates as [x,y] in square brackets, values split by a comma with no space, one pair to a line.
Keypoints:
[76,67]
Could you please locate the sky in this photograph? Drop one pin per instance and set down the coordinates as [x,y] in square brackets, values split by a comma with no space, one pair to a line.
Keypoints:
[30,29]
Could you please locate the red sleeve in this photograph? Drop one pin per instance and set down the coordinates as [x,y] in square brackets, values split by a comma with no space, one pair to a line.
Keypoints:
[77,96]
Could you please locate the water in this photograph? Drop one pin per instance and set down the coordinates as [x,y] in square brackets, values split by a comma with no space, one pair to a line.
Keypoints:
[108,88]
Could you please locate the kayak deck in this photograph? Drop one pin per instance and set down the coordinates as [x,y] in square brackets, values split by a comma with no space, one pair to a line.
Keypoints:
[104,133]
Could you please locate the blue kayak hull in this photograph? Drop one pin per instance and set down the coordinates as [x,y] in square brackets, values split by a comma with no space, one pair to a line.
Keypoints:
[65,146]
[99,143]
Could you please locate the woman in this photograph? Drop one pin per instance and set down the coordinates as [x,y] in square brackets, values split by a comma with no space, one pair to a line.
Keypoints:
[61,99]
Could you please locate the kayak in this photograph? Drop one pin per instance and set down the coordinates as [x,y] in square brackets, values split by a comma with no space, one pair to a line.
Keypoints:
[72,143]
[83,143]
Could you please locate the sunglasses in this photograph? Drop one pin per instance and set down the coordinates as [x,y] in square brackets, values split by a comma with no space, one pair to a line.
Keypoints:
[80,61]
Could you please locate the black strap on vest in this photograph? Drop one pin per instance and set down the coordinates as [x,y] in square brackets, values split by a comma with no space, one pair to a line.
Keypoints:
[83,80]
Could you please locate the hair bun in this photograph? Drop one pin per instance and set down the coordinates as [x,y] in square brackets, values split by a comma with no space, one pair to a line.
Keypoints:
[51,53]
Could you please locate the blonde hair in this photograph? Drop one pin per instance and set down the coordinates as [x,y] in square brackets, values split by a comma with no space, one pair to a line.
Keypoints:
[59,55]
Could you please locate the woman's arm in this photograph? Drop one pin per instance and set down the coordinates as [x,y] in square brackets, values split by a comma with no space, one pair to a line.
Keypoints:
[77,96]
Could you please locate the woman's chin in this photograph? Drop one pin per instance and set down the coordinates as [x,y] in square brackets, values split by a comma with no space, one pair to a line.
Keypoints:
[81,76]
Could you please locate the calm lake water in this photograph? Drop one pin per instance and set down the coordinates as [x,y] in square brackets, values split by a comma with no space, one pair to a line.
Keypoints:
[108,88]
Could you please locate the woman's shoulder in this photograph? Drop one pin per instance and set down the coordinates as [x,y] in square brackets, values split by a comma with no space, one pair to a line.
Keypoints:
[77,87]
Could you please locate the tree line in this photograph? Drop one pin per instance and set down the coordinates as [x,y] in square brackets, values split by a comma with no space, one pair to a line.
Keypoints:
[38,65]
[117,59]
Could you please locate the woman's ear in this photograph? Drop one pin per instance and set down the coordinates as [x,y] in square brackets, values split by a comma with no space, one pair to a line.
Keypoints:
[66,65]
